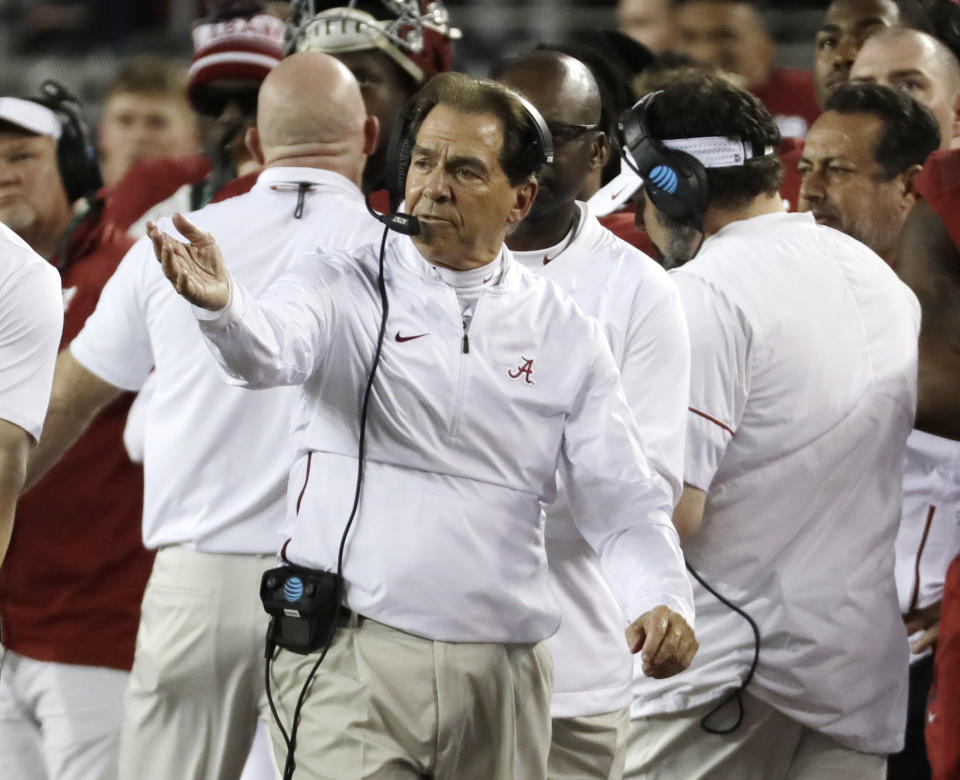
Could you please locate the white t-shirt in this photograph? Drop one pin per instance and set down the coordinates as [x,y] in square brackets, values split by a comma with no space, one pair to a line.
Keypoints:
[639,309]
[31,323]
[803,392]
[216,458]
[929,535]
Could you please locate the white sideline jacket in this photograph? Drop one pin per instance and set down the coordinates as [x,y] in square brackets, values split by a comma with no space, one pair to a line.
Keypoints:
[639,307]
[465,434]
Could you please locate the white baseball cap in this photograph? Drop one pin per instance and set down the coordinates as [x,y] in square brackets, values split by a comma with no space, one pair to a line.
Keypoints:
[31,116]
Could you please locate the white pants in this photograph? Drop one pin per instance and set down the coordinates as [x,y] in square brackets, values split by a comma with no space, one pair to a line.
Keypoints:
[59,721]
[196,689]
[768,745]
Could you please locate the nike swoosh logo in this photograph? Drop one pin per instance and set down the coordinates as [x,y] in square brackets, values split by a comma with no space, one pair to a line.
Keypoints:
[401,339]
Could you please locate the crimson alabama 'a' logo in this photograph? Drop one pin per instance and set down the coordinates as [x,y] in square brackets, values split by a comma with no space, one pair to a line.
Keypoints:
[525,370]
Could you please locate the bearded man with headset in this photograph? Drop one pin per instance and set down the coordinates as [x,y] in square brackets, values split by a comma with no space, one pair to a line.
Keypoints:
[481,381]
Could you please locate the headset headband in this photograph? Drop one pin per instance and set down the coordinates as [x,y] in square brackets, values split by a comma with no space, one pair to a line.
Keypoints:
[674,171]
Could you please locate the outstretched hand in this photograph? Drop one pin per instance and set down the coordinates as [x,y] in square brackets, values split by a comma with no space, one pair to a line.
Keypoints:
[196,270]
[665,641]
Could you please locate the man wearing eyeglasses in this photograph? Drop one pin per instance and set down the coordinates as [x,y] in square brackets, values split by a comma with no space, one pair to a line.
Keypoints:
[639,308]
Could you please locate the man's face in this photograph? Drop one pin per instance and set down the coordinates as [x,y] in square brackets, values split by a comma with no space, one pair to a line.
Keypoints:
[459,192]
[648,21]
[676,243]
[725,35]
[385,88]
[910,63]
[577,149]
[33,202]
[226,109]
[843,185]
[846,25]
[138,125]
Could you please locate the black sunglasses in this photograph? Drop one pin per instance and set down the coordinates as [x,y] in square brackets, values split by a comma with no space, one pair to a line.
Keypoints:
[563,132]
[212,102]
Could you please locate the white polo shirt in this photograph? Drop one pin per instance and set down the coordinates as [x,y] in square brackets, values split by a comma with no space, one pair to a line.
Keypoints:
[929,535]
[639,309]
[31,323]
[467,428]
[803,392]
[216,457]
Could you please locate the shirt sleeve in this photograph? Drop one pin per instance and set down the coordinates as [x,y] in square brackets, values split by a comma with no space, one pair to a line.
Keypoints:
[621,505]
[720,343]
[655,371]
[115,343]
[31,324]
[281,338]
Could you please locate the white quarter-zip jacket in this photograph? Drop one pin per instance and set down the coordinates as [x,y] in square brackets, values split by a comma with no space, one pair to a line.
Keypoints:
[639,308]
[466,431]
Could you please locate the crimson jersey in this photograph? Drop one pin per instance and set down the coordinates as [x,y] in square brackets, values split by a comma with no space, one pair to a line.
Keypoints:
[72,581]
[943,709]
[789,95]
[152,181]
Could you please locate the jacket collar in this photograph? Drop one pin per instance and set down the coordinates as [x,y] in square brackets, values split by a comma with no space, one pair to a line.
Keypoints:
[407,255]
[284,177]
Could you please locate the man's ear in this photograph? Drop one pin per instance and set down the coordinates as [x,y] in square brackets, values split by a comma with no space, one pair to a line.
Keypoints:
[599,151]
[909,196]
[371,134]
[252,141]
[524,196]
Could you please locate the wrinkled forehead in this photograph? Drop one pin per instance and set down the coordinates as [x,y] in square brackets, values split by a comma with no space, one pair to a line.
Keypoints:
[835,135]
[446,128]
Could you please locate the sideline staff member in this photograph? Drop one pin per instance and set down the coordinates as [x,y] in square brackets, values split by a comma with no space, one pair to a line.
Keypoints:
[490,378]
[793,460]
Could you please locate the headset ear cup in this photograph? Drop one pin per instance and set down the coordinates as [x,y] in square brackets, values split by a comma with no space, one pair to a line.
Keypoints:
[76,152]
[399,151]
[675,181]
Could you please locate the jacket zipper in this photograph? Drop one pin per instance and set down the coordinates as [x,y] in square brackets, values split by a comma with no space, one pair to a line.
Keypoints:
[462,373]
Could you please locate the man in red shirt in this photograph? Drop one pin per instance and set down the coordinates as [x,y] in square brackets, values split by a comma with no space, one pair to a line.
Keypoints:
[71,585]
[730,35]
[928,260]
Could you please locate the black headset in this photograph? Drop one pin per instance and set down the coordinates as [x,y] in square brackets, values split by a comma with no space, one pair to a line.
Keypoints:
[538,152]
[76,152]
[676,182]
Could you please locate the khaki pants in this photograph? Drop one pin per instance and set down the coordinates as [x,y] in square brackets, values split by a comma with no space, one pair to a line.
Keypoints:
[387,704]
[589,748]
[767,746]
[196,689]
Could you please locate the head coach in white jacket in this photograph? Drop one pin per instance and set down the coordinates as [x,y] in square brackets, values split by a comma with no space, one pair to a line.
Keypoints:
[490,379]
